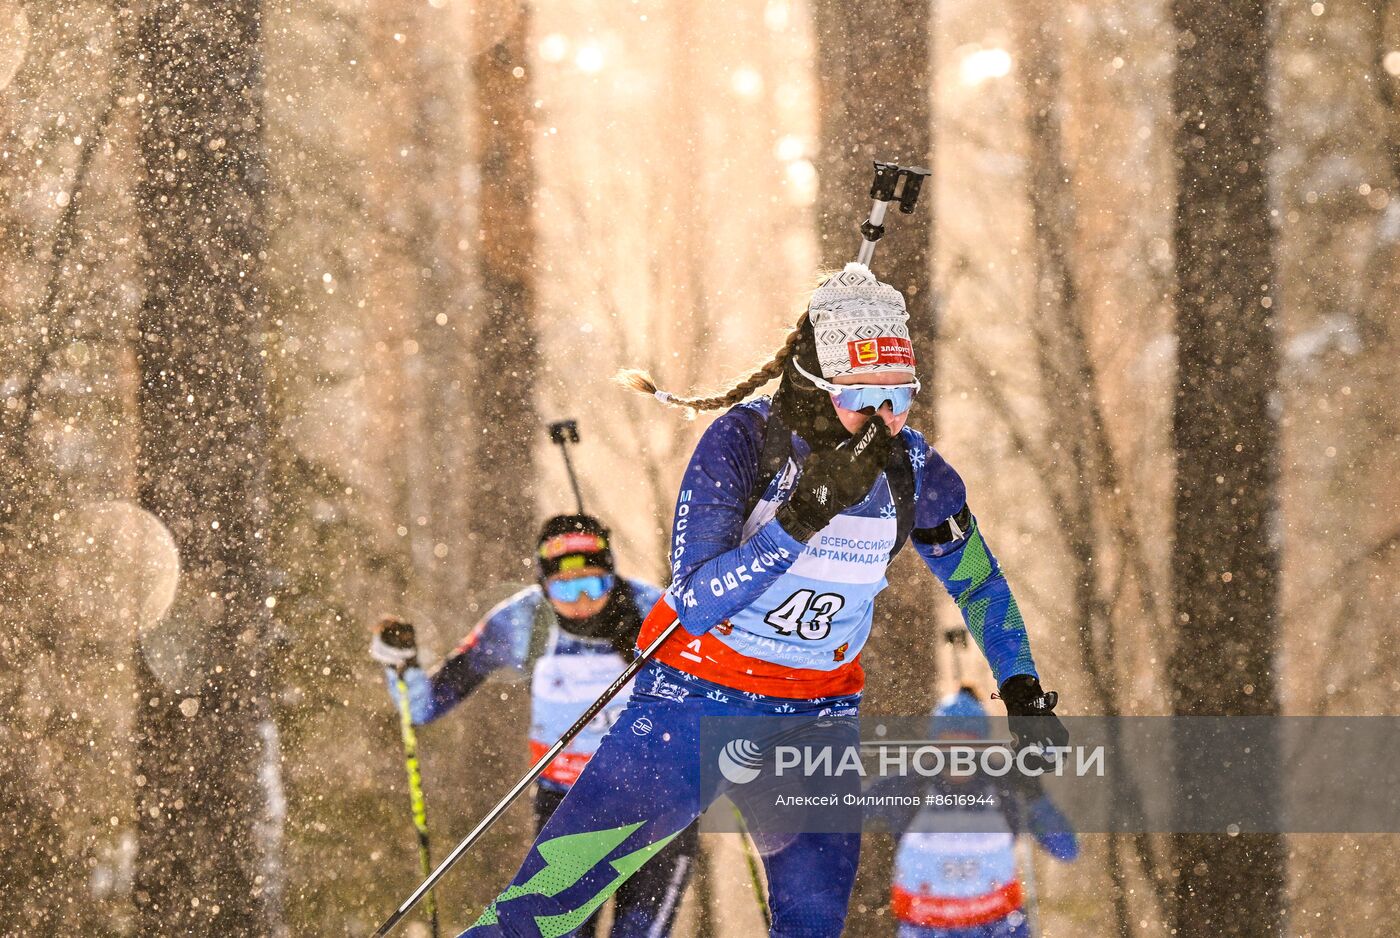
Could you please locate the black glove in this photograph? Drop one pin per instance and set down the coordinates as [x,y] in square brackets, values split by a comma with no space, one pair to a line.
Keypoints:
[394,644]
[834,480]
[1028,788]
[1030,712]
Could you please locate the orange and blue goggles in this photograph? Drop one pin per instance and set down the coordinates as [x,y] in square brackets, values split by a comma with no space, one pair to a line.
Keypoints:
[571,591]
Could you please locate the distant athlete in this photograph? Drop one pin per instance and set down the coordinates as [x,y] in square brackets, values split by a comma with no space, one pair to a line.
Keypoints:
[955,872]
[571,633]
[788,515]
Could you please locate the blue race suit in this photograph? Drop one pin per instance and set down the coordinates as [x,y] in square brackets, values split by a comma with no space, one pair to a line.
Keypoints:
[771,626]
[772,615]
[567,673]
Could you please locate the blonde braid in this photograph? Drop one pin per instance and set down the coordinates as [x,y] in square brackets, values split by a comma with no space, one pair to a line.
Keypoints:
[641,381]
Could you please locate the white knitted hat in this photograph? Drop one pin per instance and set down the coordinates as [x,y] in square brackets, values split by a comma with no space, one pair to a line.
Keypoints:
[860,325]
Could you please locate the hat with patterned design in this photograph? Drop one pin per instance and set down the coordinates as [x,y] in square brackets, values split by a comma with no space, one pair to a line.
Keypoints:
[860,325]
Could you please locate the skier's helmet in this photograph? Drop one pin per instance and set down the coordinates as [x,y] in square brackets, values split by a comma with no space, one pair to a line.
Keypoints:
[572,542]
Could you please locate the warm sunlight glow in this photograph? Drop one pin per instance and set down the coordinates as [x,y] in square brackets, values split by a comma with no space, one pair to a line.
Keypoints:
[802,181]
[776,15]
[590,59]
[789,147]
[746,83]
[554,47]
[983,64]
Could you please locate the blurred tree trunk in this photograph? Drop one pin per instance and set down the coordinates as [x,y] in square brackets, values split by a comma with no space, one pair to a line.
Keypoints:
[1225,565]
[1083,467]
[440,235]
[869,113]
[504,349]
[1380,334]
[44,862]
[203,443]
[425,178]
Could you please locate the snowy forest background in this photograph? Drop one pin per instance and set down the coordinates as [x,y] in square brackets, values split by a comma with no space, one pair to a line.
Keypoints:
[288,292]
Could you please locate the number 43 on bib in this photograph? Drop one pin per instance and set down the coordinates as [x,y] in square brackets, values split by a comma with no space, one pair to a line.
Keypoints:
[790,616]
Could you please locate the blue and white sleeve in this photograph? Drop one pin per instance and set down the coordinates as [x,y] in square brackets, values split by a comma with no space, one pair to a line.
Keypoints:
[966,566]
[1052,830]
[500,640]
[713,575]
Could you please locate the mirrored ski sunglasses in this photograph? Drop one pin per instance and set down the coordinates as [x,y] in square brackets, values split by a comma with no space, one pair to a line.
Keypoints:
[900,397]
[571,591]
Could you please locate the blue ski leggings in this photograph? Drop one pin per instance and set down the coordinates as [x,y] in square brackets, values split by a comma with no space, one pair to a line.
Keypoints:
[643,788]
[645,906]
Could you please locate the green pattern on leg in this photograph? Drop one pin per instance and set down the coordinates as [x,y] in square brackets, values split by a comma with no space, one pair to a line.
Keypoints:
[567,859]
[553,926]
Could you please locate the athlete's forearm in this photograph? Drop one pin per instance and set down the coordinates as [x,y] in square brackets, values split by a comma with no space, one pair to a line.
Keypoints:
[708,592]
[1052,830]
[458,677]
[430,696]
[994,619]
[970,573]
[420,693]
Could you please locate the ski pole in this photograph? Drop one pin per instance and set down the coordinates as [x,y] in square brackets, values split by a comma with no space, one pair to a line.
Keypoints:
[415,791]
[535,771]
[892,183]
[564,432]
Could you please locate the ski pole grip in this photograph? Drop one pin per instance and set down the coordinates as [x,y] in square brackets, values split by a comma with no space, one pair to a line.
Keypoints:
[886,179]
[892,183]
[563,431]
[912,181]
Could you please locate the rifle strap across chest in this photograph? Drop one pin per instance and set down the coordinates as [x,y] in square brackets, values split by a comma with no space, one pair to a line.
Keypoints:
[541,631]
[777,450]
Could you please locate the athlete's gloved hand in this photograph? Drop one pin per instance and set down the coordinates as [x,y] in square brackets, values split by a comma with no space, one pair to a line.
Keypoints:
[394,644]
[1030,712]
[834,480]
[1022,785]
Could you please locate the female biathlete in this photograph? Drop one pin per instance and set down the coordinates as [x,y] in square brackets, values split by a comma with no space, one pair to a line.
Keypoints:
[788,515]
[571,634]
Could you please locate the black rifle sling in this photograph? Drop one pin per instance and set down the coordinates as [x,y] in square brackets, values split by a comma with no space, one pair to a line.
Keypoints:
[899,472]
[772,459]
[541,631]
[777,447]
